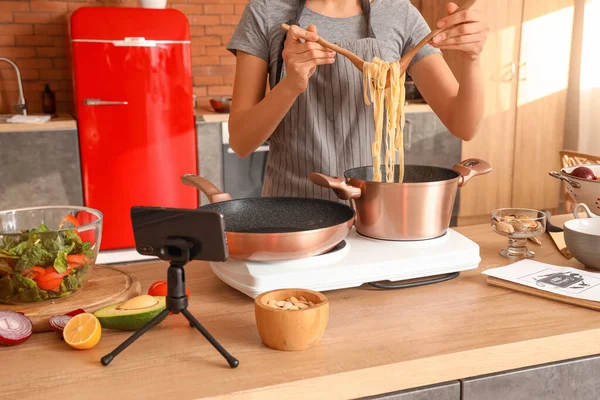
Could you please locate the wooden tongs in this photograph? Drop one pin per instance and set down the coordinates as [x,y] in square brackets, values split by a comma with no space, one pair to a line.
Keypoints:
[404,61]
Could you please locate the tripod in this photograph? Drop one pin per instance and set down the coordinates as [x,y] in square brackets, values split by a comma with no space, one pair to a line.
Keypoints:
[178,252]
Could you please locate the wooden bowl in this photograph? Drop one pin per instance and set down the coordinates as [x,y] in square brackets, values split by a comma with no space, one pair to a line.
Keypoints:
[291,330]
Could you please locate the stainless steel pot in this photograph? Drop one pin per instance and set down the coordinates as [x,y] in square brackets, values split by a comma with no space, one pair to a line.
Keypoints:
[418,208]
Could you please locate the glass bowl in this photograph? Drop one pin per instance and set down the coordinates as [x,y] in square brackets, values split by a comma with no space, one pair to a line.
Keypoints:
[518,224]
[47,253]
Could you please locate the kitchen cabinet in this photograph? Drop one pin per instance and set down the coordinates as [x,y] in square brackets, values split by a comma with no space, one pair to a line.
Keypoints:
[428,142]
[210,154]
[445,391]
[525,69]
[576,379]
[38,168]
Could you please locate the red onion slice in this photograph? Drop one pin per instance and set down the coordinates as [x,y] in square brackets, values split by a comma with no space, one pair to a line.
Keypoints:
[58,322]
[15,328]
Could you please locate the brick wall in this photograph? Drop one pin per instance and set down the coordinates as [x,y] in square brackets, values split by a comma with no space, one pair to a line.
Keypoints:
[33,33]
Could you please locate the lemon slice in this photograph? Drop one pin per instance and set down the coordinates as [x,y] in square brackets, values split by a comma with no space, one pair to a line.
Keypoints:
[83,331]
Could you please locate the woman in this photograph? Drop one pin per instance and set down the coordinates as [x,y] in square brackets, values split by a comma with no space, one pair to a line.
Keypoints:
[314,116]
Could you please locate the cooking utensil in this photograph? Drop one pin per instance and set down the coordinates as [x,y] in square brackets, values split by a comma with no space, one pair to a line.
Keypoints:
[418,208]
[221,104]
[582,235]
[557,235]
[291,329]
[581,190]
[277,228]
[404,60]
[518,225]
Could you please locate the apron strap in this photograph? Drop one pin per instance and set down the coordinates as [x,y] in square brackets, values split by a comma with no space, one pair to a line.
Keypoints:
[365,5]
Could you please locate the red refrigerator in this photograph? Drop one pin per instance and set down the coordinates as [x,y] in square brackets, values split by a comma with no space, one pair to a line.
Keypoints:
[133,93]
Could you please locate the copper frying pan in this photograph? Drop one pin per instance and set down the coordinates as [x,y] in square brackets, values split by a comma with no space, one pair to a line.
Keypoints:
[277,228]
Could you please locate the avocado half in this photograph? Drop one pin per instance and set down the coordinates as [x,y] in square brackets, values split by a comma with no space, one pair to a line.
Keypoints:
[132,314]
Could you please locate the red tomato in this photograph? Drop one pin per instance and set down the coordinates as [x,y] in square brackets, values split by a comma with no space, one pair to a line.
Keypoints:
[159,288]
[34,272]
[50,284]
[77,260]
[69,218]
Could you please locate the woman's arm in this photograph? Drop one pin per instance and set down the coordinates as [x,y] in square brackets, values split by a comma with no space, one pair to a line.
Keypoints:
[458,103]
[254,116]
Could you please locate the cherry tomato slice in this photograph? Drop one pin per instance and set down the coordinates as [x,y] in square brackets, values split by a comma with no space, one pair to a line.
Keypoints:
[159,288]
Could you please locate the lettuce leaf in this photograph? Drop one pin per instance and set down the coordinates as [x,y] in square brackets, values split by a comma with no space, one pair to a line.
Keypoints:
[60,262]
[7,288]
[27,290]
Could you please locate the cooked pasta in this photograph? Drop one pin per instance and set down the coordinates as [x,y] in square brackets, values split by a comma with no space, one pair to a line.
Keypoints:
[391,100]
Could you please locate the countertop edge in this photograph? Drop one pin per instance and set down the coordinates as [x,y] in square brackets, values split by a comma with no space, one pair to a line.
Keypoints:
[204,114]
[66,121]
[448,367]
[61,122]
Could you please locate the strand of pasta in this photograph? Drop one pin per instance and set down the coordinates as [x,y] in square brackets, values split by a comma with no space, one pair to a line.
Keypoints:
[392,101]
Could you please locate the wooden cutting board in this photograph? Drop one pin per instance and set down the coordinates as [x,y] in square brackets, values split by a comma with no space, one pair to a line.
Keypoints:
[106,286]
[594,305]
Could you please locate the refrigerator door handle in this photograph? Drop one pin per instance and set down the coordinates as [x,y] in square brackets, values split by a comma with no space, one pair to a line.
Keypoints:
[98,102]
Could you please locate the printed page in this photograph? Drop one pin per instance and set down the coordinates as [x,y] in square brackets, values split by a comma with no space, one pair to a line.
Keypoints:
[565,281]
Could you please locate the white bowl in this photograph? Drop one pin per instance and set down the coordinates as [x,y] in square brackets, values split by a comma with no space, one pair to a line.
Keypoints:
[582,237]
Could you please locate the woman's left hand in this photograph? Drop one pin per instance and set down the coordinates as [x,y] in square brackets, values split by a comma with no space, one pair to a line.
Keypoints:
[467,34]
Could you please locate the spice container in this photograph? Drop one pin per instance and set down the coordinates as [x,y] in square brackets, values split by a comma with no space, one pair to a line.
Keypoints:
[48,101]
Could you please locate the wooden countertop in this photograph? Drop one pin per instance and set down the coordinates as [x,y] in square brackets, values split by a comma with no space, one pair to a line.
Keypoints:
[205,113]
[60,122]
[376,341]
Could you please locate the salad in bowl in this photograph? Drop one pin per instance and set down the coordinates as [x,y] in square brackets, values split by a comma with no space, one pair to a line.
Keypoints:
[47,253]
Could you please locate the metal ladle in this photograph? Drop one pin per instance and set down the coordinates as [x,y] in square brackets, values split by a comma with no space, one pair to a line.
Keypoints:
[404,61]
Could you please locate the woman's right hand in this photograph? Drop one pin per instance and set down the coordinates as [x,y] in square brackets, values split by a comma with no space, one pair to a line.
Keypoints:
[301,58]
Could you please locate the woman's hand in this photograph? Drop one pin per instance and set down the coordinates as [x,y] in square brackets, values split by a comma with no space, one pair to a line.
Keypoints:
[468,33]
[301,55]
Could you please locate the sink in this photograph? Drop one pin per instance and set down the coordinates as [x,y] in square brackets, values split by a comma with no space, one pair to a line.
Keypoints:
[4,117]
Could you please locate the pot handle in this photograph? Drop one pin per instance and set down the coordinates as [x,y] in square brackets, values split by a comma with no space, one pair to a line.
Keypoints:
[469,168]
[205,186]
[337,184]
[571,182]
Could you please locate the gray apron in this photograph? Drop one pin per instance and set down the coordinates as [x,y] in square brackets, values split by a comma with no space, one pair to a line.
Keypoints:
[328,129]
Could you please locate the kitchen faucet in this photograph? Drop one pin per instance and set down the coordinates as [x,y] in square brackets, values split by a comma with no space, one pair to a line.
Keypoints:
[21,106]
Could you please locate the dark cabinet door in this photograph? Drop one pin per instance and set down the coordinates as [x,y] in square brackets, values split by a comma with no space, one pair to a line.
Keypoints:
[577,379]
[39,168]
[444,391]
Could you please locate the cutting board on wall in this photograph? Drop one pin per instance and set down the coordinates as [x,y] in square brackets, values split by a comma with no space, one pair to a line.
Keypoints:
[106,286]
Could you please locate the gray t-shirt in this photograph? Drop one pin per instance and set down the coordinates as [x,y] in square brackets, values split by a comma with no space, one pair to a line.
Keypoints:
[397,24]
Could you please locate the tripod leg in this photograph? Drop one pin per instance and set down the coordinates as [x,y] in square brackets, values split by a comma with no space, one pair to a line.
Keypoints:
[232,361]
[155,321]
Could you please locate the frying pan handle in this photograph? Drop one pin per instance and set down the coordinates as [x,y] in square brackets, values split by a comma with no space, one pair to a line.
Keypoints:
[556,175]
[470,168]
[214,195]
[337,184]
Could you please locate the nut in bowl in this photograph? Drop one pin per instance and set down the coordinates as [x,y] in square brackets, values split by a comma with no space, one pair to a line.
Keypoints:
[518,224]
[47,253]
[291,319]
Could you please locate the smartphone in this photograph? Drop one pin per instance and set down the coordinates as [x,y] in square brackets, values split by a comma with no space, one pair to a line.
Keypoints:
[157,229]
